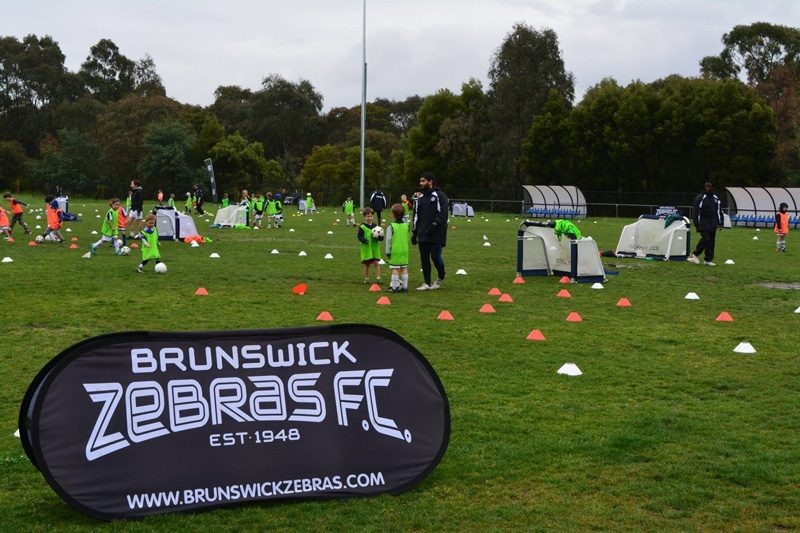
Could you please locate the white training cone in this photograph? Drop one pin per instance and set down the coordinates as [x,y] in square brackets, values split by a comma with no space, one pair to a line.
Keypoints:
[275,251]
[744,347]
[37,227]
[87,255]
[755,238]
[381,262]
[487,243]
[597,286]
[94,232]
[692,296]
[461,271]
[214,255]
[302,253]
[328,256]
[69,230]
[729,262]
[194,244]
[16,433]
[7,260]
[569,369]
[758,229]
[330,232]
[485,238]
[291,229]
[797,310]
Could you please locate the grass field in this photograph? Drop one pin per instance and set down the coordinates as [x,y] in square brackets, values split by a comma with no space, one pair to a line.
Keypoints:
[667,428]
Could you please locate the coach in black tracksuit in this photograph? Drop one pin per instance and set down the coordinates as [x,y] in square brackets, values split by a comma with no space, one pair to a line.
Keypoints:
[430,229]
[707,212]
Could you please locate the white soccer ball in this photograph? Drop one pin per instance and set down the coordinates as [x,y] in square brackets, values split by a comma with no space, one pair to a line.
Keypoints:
[377,232]
[125,250]
[161,268]
[39,238]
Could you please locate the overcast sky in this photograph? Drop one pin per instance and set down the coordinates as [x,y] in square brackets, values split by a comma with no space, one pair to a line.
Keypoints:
[413,46]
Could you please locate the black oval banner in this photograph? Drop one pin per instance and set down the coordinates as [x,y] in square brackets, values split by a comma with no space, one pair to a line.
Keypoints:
[135,424]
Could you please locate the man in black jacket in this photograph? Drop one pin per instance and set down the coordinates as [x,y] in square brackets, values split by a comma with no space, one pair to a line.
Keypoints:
[707,214]
[378,203]
[430,229]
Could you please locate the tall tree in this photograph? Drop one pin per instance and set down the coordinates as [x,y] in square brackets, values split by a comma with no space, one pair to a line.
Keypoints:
[107,73]
[239,164]
[524,69]
[166,165]
[754,50]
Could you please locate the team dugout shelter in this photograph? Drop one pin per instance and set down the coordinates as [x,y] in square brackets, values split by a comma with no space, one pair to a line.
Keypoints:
[755,207]
[553,201]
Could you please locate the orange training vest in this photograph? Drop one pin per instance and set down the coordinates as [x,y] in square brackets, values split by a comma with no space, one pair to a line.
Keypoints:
[52,218]
[781,222]
[3,218]
[121,220]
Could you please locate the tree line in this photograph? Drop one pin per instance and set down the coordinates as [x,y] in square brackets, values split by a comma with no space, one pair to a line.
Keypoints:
[91,132]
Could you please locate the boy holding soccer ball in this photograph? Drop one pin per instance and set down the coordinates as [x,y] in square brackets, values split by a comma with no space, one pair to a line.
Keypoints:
[369,237]
[149,243]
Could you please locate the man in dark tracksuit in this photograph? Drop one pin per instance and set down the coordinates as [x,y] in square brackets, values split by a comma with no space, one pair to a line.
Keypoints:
[430,229]
[707,212]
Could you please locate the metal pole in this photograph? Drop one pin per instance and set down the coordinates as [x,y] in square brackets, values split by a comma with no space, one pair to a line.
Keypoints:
[363,100]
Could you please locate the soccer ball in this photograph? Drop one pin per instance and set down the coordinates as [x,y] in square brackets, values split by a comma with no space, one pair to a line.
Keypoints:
[161,268]
[125,250]
[377,232]
[39,238]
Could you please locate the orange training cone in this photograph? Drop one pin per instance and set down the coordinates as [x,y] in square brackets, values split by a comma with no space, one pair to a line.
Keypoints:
[724,317]
[31,243]
[445,315]
[10,240]
[487,308]
[134,245]
[564,293]
[505,298]
[535,335]
[300,289]
[74,239]
[201,292]
[383,300]
[374,288]
[73,246]
[623,302]
[574,317]
[518,280]
[324,316]
[564,279]
[495,292]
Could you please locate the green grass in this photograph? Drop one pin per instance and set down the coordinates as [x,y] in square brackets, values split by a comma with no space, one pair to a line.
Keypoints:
[667,428]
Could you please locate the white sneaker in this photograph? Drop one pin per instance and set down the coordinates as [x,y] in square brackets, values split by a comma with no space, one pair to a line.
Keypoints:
[425,287]
[693,259]
[437,284]
[709,264]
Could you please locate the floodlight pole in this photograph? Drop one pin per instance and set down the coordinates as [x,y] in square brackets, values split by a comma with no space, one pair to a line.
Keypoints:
[363,100]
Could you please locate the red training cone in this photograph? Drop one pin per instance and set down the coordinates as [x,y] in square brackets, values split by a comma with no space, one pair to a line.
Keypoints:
[324,316]
[383,300]
[201,292]
[564,279]
[505,298]
[374,288]
[494,292]
[623,302]
[724,317]
[445,315]
[574,317]
[518,280]
[535,335]
[73,246]
[564,293]
[487,308]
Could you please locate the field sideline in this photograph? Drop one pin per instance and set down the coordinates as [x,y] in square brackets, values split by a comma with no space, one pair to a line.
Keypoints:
[666,429]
